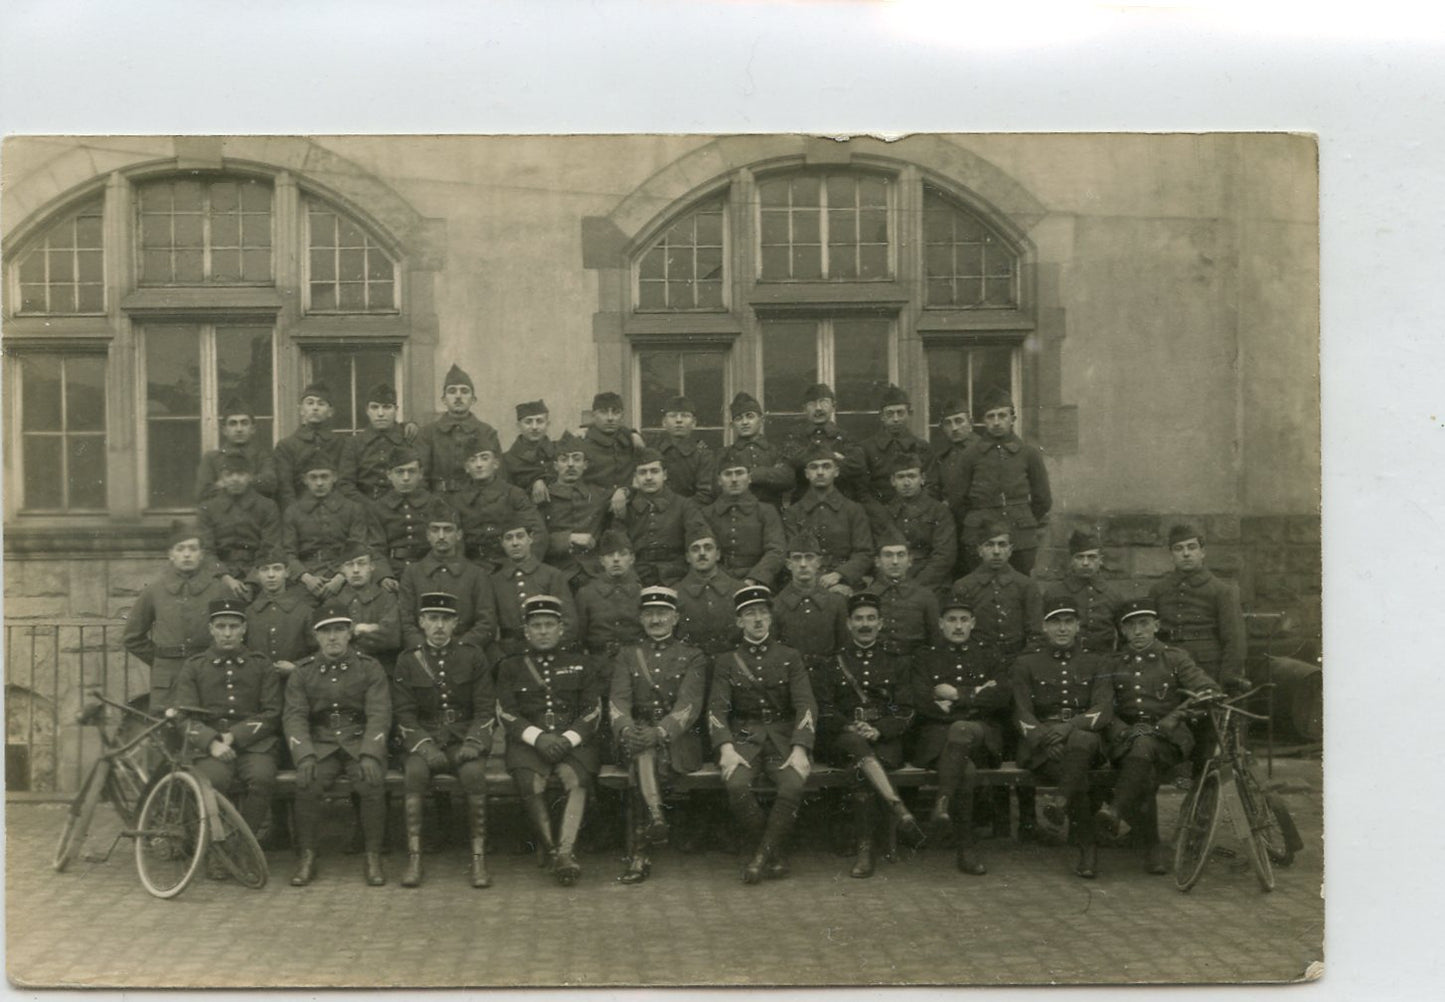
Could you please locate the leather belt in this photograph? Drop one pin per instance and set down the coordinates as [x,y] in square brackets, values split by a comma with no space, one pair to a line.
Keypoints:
[178,651]
[1189,633]
[336,719]
[654,554]
[449,716]
[414,552]
[761,716]
[867,714]
[1062,714]
[321,553]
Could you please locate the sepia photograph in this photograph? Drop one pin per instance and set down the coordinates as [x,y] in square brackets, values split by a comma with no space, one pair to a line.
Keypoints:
[590,560]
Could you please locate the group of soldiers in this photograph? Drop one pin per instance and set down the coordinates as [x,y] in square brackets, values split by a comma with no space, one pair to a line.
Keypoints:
[395,595]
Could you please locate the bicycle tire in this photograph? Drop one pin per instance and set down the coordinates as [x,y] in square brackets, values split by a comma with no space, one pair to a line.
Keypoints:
[1198,819]
[1262,828]
[1291,843]
[172,834]
[80,814]
[126,789]
[237,848]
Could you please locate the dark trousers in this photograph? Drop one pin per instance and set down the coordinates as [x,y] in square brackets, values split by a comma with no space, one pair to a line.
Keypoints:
[371,795]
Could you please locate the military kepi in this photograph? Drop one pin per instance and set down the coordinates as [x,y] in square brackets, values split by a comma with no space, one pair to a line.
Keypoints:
[438,601]
[659,597]
[227,607]
[1059,606]
[752,595]
[541,605]
[330,615]
[1136,607]
[863,600]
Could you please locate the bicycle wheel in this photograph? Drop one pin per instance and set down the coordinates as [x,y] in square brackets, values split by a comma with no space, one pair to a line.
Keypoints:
[1290,841]
[236,847]
[1197,820]
[1262,828]
[80,814]
[127,789]
[171,835]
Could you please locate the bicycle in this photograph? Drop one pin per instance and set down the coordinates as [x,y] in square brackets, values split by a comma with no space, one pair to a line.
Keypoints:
[117,777]
[182,820]
[1260,819]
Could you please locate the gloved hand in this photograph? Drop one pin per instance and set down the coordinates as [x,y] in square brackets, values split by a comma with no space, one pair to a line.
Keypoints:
[1141,730]
[469,752]
[306,771]
[1234,684]
[435,758]
[634,736]
[371,770]
[552,747]
[1051,738]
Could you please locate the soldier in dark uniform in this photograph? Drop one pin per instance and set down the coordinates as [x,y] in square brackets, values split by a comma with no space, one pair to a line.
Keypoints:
[659,521]
[909,611]
[762,716]
[708,618]
[375,616]
[607,606]
[1198,612]
[1095,602]
[318,527]
[690,462]
[961,701]
[1007,606]
[894,443]
[443,444]
[611,450]
[955,421]
[445,709]
[574,512]
[279,617]
[926,524]
[235,739]
[806,617]
[522,577]
[771,477]
[312,436]
[823,433]
[236,522]
[550,703]
[366,457]
[337,719]
[402,513]
[1063,701]
[864,709]
[1150,734]
[656,696]
[488,503]
[1003,478]
[840,525]
[445,569]
[238,438]
[529,462]
[749,531]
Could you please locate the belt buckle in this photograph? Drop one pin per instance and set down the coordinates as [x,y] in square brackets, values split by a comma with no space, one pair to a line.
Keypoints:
[1066,713]
[335,717]
[449,716]
[767,715]
[549,719]
[860,715]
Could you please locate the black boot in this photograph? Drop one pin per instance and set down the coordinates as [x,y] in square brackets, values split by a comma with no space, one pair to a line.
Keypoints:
[1081,823]
[908,827]
[536,810]
[967,854]
[639,866]
[775,837]
[1156,855]
[951,766]
[375,875]
[567,870]
[1088,865]
[412,807]
[305,868]
[1028,806]
[477,817]
[864,823]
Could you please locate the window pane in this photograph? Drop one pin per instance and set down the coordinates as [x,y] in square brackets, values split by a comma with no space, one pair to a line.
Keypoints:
[773,192]
[806,227]
[775,228]
[323,297]
[62,266]
[710,295]
[382,296]
[173,449]
[243,367]
[32,269]
[85,393]
[181,220]
[651,295]
[775,263]
[345,371]
[807,263]
[190,267]
[860,362]
[89,266]
[226,265]
[659,381]
[691,247]
[372,367]
[41,393]
[350,272]
[702,381]
[961,250]
[85,465]
[352,296]
[992,371]
[226,231]
[710,228]
[90,298]
[43,487]
[323,228]
[790,363]
[173,371]
[872,262]
[947,379]
[334,369]
[323,265]
[62,299]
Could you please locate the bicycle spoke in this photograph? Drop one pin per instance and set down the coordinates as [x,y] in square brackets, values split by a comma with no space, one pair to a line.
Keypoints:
[236,848]
[171,837]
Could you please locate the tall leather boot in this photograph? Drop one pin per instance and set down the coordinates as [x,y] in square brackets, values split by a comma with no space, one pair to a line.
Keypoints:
[865,821]
[1156,855]
[639,865]
[750,818]
[950,770]
[1081,825]
[411,806]
[877,777]
[967,850]
[567,869]
[477,817]
[1028,807]
[305,821]
[651,795]
[1129,789]
[536,810]
[775,836]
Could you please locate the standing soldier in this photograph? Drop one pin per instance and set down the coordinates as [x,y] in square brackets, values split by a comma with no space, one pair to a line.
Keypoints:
[691,465]
[1003,478]
[337,718]
[550,704]
[573,512]
[279,617]
[840,525]
[1199,612]
[312,436]
[1007,604]
[238,438]
[894,443]
[708,618]
[863,712]
[488,503]
[1150,734]
[822,433]
[236,522]
[318,527]
[445,569]
[1063,701]
[607,606]
[402,513]
[956,422]
[521,578]
[762,716]
[1094,602]
[808,618]
[235,737]
[925,522]
[443,444]
[909,612]
[530,460]
[366,457]
[611,451]
[656,696]
[749,531]
[375,619]
[445,710]
[659,521]
[771,476]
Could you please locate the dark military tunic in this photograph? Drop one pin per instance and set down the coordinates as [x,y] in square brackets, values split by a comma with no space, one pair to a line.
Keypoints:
[403,520]
[337,705]
[949,461]
[1004,479]
[661,683]
[884,448]
[447,443]
[289,457]
[706,616]
[841,527]
[241,695]
[1148,685]
[750,535]
[1200,613]
[770,474]
[258,460]
[928,527]
[365,460]
[607,611]
[490,508]
[867,684]
[1058,689]
[814,622]
[170,622]
[373,604]
[279,626]
[550,692]
[315,532]
[1007,607]
[984,695]
[691,467]
[611,459]
[527,462]
[852,467]
[578,508]
[659,526]
[516,582]
[1097,606]
[762,702]
[446,695]
[234,528]
[909,614]
[476,604]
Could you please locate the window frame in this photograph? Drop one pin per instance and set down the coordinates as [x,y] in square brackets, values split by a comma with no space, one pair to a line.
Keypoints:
[635,261]
[306,198]
[700,348]
[959,341]
[206,178]
[34,243]
[397,348]
[892,182]
[826,359]
[15,443]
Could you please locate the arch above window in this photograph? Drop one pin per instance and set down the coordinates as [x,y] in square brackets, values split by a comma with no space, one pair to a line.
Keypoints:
[967,264]
[685,268]
[63,271]
[348,268]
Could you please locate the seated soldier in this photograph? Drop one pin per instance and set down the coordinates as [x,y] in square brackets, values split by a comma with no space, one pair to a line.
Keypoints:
[708,618]
[863,712]
[1150,734]
[607,606]
[402,513]
[690,462]
[909,610]
[961,701]
[445,569]
[808,618]
[315,529]
[1096,603]
[925,523]
[748,531]
[658,521]
[1006,603]
[550,703]
[235,522]
[655,698]
[445,710]
[529,461]
[366,456]
[519,579]
[375,615]
[234,740]
[337,718]
[488,504]
[573,512]
[279,617]
[762,716]
[1063,701]
[840,525]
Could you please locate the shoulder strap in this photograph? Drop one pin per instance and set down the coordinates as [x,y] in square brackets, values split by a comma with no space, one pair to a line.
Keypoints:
[527,660]
[642,666]
[743,667]
[851,680]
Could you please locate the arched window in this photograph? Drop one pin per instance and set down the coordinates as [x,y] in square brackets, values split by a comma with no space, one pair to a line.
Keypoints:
[685,267]
[63,271]
[349,269]
[966,263]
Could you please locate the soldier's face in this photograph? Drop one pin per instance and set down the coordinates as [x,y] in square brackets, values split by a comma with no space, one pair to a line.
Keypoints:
[185,556]
[821,473]
[405,478]
[320,482]
[819,411]
[333,639]
[908,483]
[1087,563]
[999,421]
[517,544]
[438,627]
[679,424]
[894,416]
[543,632]
[804,567]
[702,555]
[238,428]
[533,427]
[1139,631]
[570,466]
[272,577]
[957,427]
[893,562]
[863,625]
[381,416]
[228,633]
[607,419]
[956,625]
[235,482]
[658,621]
[1062,629]
[735,481]
[650,477]
[617,563]
[458,398]
[755,621]
[995,551]
[358,571]
[444,537]
[315,410]
[747,425]
[483,465]
[1188,555]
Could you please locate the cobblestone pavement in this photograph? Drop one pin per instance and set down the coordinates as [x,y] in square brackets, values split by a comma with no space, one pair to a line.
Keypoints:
[918,921]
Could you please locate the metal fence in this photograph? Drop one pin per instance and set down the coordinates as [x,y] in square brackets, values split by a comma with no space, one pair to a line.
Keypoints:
[50,666]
